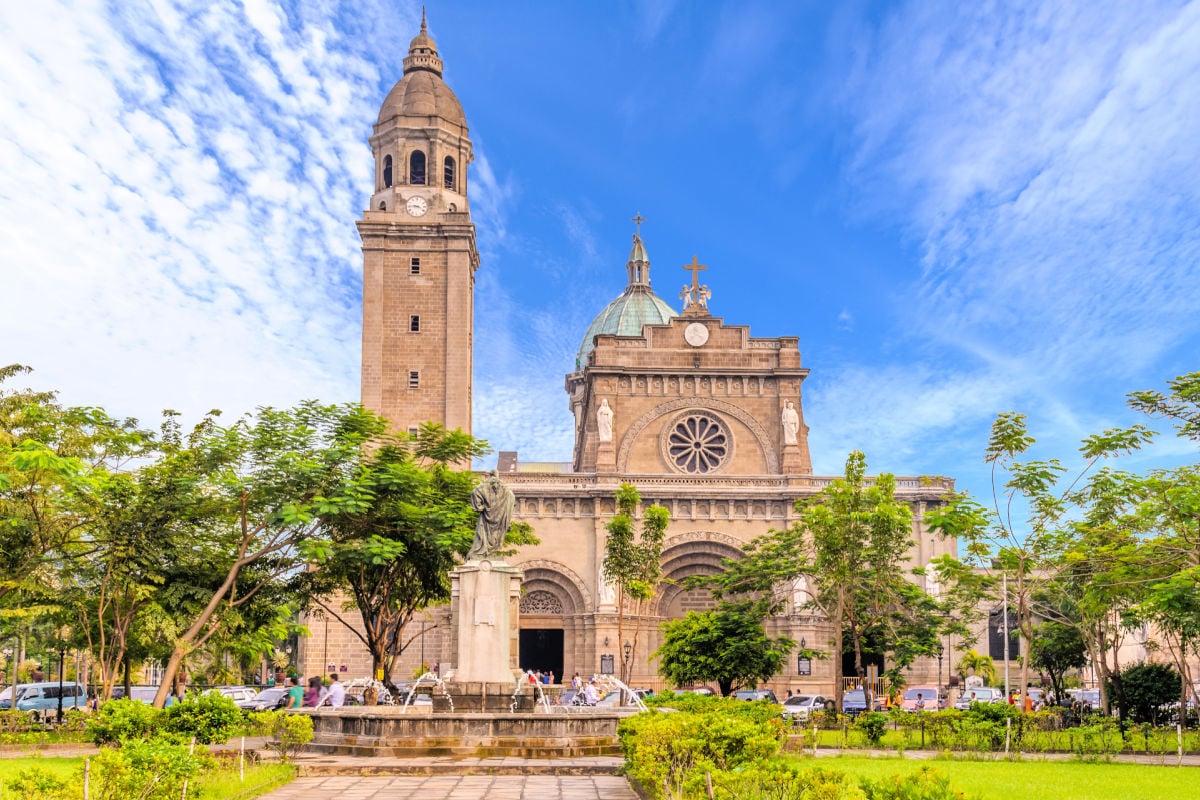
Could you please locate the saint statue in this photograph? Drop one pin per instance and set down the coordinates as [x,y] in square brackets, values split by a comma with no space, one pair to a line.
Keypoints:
[933,583]
[495,502]
[604,421]
[791,423]
[799,593]
[608,593]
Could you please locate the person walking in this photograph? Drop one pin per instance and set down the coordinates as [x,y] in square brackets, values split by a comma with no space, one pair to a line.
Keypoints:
[295,693]
[337,692]
[312,695]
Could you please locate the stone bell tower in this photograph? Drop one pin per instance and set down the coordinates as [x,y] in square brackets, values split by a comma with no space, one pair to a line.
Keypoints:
[419,255]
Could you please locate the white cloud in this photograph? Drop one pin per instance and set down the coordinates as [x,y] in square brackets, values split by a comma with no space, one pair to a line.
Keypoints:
[177,186]
[1044,157]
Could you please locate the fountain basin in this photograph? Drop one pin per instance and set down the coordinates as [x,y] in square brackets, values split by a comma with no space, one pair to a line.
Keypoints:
[388,731]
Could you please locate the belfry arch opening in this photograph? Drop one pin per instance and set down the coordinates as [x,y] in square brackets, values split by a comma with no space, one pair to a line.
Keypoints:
[416,168]
[387,172]
[449,173]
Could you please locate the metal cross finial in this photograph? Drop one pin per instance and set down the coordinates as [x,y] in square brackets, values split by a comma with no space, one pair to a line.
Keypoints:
[695,268]
[638,220]
[423,29]
[695,297]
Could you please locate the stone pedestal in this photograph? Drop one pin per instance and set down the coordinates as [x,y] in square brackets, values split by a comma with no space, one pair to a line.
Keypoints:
[485,602]
[606,457]
[795,460]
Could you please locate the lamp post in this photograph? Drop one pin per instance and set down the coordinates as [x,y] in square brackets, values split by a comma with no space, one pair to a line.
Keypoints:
[940,653]
[628,648]
[62,654]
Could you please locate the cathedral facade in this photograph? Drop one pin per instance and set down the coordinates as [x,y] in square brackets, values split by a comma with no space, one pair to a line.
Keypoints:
[698,414]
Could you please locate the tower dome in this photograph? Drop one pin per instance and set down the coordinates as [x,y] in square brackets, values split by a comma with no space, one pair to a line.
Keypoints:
[421,92]
[635,307]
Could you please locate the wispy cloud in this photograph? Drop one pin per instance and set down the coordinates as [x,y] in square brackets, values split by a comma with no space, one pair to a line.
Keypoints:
[1044,158]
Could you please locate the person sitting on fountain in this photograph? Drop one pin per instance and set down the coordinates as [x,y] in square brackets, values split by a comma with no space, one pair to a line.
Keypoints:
[591,695]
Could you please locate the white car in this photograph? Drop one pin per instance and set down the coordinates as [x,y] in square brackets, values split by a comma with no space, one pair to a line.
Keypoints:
[800,706]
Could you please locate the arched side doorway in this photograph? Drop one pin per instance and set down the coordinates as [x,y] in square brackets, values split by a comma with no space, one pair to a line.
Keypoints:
[699,553]
[552,606]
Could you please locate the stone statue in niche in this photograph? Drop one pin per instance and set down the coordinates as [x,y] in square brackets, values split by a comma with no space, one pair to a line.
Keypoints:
[799,593]
[791,423]
[933,584]
[604,421]
[495,503]
[607,592]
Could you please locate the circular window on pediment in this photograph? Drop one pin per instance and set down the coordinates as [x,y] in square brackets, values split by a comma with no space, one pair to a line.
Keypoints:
[697,443]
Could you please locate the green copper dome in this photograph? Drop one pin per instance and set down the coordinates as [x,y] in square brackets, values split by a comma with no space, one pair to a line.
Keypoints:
[637,306]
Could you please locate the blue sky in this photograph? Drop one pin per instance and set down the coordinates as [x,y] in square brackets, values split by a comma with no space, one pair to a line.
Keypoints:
[959,208]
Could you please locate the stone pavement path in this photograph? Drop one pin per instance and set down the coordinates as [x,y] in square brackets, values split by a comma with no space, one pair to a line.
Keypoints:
[457,787]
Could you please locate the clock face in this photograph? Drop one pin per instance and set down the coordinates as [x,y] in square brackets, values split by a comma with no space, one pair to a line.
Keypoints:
[417,206]
[695,334]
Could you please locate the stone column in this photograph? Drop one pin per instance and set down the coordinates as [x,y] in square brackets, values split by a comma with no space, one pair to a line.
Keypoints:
[485,597]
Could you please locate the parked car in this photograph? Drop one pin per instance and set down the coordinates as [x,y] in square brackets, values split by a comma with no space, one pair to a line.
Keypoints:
[799,707]
[237,694]
[854,702]
[704,690]
[929,698]
[143,694]
[266,700]
[980,694]
[756,694]
[42,699]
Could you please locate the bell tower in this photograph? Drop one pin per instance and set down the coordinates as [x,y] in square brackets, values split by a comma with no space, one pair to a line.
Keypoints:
[419,254]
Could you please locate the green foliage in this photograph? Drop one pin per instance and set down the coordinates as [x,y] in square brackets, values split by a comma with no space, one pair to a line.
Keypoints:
[727,646]
[1057,648]
[292,732]
[667,752]
[149,769]
[872,726]
[120,720]
[780,779]
[1147,687]
[924,784]
[633,563]
[36,783]
[974,663]
[1181,404]
[211,718]
[392,548]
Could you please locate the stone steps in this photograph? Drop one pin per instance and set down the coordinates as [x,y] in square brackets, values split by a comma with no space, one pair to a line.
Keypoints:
[328,766]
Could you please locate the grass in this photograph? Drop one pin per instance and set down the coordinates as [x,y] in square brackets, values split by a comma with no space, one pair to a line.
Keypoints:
[1061,780]
[221,784]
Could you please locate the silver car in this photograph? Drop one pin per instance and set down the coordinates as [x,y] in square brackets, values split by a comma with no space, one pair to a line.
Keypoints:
[801,706]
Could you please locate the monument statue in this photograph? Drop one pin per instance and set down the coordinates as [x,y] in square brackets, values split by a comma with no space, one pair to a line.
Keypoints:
[495,503]
[791,423]
[604,421]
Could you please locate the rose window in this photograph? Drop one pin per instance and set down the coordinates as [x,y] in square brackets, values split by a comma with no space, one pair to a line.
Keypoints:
[697,443]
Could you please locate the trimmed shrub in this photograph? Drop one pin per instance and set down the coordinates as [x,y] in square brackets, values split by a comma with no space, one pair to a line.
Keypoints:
[211,717]
[872,726]
[118,720]
[153,769]
[39,784]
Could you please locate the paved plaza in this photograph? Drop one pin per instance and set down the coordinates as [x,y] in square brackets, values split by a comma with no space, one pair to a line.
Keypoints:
[458,787]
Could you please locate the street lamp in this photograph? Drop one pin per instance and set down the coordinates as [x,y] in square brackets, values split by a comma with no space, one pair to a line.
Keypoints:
[939,664]
[628,648]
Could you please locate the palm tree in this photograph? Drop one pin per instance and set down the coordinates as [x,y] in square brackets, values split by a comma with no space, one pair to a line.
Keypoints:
[972,663]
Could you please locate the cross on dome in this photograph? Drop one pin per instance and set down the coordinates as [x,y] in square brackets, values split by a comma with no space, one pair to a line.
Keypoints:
[695,297]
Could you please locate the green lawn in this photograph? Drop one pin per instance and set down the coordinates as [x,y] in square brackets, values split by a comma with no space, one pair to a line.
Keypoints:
[1061,780]
[212,785]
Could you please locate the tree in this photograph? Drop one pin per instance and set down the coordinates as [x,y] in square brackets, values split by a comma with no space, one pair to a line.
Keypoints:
[1147,688]
[1057,648]
[727,646]
[50,457]
[632,563]
[394,548]
[250,494]
[851,545]
[1026,554]
[973,663]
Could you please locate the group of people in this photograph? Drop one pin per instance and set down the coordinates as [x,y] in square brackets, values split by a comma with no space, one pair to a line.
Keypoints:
[537,676]
[317,693]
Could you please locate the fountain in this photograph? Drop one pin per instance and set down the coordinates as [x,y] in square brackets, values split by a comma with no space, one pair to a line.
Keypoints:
[479,711]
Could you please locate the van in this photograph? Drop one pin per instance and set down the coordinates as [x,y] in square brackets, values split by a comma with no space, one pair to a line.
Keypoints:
[42,698]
